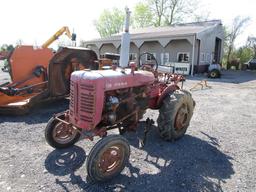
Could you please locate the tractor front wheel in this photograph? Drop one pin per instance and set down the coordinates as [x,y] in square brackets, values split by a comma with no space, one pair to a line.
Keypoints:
[107,158]
[60,135]
[175,115]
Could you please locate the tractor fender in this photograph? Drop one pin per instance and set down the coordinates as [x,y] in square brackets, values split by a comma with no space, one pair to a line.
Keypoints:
[166,91]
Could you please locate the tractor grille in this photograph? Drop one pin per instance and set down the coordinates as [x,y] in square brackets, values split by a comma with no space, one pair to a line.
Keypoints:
[87,102]
[72,99]
[82,103]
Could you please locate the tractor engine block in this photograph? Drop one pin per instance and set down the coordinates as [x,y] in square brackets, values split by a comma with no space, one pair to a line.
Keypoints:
[125,106]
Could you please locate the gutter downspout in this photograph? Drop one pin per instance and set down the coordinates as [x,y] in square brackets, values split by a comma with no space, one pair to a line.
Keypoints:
[193,56]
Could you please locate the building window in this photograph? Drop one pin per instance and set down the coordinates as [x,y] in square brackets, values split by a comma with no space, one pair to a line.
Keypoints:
[208,57]
[164,58]
[183,57]
[133,57]
[149,57]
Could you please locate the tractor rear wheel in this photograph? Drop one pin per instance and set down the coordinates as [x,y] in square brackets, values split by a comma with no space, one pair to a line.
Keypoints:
[107,158]
[60,135]
[175,115]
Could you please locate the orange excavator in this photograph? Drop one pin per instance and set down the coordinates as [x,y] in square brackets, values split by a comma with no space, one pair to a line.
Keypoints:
[38,74]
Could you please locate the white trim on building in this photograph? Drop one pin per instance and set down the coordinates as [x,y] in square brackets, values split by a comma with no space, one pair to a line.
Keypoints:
[165,58]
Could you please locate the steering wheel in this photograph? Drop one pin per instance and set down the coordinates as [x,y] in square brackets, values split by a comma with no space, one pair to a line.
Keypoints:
[148,66]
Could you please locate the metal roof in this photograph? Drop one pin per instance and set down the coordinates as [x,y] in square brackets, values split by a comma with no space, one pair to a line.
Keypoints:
[168,31]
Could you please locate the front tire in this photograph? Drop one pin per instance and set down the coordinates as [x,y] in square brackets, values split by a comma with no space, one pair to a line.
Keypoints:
[175,115]
[59,135]
[107,158]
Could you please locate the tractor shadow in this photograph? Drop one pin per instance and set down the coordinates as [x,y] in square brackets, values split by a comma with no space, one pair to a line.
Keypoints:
[189,164]
[63,163]
[41,113]
[68,167]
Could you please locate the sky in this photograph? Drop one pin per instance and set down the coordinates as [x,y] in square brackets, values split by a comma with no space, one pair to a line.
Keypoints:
[34,21]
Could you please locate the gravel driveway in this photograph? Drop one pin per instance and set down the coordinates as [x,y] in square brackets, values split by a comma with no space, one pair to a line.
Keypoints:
[218,153]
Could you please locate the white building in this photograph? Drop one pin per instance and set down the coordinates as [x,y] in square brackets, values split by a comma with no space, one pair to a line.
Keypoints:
[195,45]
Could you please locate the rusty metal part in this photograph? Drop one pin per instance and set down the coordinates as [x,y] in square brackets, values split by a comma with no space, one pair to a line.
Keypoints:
[181,118]
[135,113]
[64,133]
[165,92]
[149,123]
[203,84]
[102,131]
[121,120]
[105,62]
[111,160]
[10,91]
[169,78]
[86,134]
[61,120]
[60,67]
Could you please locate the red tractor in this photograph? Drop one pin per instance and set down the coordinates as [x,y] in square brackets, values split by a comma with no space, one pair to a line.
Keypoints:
[108,99]
[117,98]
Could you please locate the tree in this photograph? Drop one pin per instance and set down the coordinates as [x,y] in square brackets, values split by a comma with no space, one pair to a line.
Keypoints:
[178,10]
[168,12]
[200,15]
[251,43]
[158,8]
[6,47]
[10,48]
[244,54]
[142,16]
[110,22]
[235,30]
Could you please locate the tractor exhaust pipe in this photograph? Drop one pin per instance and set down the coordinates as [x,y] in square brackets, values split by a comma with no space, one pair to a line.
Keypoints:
[125,42]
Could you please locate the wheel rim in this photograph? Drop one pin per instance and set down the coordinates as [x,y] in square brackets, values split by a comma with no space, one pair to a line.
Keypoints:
[111,160]
[181,118]
[213,74]
[63,133]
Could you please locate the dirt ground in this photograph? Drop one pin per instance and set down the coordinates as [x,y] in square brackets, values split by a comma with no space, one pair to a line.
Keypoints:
[218,152]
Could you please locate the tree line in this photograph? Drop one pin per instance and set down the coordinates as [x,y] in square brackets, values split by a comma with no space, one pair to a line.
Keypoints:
[6,47]
[150,13]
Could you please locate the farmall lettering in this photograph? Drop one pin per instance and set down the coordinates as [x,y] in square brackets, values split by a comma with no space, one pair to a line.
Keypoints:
[116,85]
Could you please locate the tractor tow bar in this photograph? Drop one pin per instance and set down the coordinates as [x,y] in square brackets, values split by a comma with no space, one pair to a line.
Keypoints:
[149,123]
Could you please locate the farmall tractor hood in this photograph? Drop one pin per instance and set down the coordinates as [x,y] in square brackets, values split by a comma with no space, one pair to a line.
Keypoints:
[112,80]
[88,90]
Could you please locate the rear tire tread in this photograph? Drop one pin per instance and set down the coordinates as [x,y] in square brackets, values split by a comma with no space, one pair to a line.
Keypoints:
[167,114]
